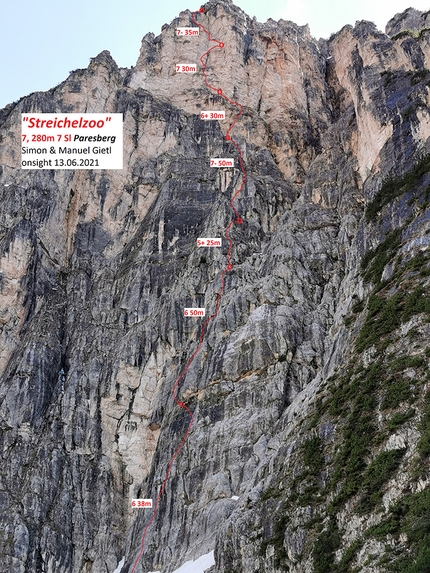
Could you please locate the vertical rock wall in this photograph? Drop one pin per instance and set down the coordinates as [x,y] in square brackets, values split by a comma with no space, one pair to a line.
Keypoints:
[97,266]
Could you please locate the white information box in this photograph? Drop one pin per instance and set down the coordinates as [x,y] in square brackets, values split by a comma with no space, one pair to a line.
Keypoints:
[71,141]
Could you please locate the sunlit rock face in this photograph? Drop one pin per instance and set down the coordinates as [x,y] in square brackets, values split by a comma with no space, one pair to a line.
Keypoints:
[96,268]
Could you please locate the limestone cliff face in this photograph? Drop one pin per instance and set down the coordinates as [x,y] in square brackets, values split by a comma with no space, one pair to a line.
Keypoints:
[97,266]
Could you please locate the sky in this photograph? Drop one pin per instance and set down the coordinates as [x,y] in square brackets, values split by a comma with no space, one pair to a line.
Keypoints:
[42,41]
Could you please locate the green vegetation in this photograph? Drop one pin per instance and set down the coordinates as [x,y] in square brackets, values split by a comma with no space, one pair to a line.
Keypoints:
[398,390]
[358,307]
[348,556]
[377,473]
[411,515]
[374,261]
[313,456]
[418,264]
[422,562]
[325,547]
[424,442]
[395,186]
[341,395]
[419,76]
[416,34]
[349,320]
[388,526]
[399,419]
[350,462]
[388,76]
[386,314]
[415,302]
[382,319]
[270,493]
[305,486]
[354,399]
[416,509]
[314,521]
[409,112]
[364,405]
[277,540]
[307,497]
[403,362]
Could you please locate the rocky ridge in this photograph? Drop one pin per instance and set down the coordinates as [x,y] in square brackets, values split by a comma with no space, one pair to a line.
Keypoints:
[325,296]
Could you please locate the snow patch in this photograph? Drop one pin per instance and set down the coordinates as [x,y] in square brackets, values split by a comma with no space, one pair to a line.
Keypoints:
[198,566]
[235,497]
[120,566]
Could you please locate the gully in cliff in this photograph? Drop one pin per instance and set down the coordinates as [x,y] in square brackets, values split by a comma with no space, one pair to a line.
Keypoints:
[229,267]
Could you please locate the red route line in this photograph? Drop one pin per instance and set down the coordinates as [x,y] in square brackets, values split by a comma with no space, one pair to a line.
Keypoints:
[229,267]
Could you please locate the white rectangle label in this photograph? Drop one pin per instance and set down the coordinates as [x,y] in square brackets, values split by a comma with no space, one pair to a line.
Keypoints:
[207,115]
[71,141]
[222,162]
[187,31]
[194,311]
[141,503]
[186,68]
[208,242]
